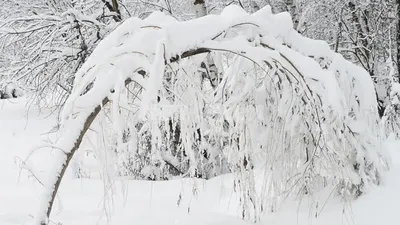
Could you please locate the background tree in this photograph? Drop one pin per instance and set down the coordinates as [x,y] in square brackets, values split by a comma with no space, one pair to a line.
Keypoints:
[47,41]
[398,38]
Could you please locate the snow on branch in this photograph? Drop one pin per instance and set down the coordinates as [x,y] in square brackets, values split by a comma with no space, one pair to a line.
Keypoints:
[285,105]
[45,44]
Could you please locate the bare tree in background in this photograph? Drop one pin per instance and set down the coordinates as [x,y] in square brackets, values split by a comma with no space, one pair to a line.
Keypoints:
[211,71]
[398,38]
[47,41]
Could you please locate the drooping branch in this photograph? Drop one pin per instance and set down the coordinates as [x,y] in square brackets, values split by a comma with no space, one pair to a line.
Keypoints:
[189,53]
[286,68]
[86,125]
[88,122]
[92,116]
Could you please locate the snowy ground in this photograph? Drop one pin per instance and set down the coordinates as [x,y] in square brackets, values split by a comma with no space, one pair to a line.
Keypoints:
[84,202]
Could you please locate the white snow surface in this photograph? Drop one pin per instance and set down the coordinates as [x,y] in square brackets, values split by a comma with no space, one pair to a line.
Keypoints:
[89,201]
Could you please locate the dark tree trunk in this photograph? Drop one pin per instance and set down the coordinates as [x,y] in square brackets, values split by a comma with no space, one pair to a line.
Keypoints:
[113,8]
[116,9]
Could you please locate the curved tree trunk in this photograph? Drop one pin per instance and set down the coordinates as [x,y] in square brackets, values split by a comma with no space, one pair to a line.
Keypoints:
[68,156]
[42,218]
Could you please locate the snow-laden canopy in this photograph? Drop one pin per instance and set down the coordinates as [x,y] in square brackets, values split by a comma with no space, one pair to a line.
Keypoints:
[280,103]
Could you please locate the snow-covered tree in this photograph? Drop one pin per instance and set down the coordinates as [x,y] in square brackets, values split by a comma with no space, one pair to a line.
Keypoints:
[286,106]
[362,31]
[46,42]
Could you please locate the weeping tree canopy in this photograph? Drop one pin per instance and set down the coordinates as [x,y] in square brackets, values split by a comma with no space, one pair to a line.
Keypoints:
[280,103]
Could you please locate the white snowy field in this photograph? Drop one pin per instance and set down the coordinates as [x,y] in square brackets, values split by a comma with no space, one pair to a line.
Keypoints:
[90,201]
